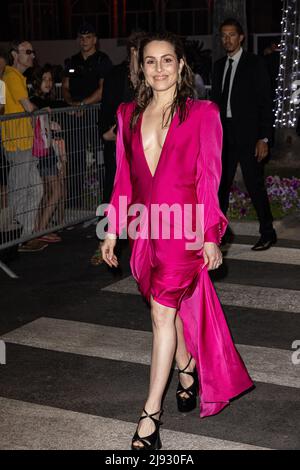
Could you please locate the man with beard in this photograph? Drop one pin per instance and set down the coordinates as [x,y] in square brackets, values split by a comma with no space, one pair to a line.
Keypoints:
[241,88]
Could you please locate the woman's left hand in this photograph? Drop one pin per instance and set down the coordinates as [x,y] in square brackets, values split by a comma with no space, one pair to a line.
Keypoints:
[212,256]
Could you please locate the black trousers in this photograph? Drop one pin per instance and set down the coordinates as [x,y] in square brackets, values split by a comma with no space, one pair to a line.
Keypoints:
[253,174]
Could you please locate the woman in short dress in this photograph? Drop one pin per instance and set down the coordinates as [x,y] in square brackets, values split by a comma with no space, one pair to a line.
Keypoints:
[169,153]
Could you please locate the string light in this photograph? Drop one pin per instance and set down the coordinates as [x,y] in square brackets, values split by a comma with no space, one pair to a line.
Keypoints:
[288,81]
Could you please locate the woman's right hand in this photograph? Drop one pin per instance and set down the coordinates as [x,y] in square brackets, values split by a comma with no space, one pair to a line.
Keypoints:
[107,250]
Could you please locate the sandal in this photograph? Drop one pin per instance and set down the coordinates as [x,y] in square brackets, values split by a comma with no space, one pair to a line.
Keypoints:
[186,404]
[32,246]
[50,238]
[153,441]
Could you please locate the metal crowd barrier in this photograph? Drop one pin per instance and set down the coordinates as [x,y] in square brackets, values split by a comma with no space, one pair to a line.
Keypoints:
[51,171]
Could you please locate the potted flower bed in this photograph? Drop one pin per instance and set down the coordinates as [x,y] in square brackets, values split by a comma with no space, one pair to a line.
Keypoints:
[284,195]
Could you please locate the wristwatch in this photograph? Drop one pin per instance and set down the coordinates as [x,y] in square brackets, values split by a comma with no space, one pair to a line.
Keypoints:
[265,140]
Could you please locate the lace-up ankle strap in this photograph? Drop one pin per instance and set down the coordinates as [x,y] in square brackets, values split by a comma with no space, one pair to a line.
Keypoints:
[160,412]
[182,371]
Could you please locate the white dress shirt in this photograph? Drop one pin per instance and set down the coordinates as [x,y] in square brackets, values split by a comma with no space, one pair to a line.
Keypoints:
[236,59]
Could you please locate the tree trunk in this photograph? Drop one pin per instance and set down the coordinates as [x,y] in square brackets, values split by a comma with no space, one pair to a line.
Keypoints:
[286,152]
[227,9]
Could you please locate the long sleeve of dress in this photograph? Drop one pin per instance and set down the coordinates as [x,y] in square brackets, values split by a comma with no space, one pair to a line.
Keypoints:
[221,372]
[209,167]
[122,190]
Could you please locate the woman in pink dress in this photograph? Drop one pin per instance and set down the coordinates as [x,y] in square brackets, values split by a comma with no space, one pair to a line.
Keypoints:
[169,156]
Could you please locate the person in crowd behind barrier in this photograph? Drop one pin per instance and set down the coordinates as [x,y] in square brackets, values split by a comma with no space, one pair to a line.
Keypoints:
[58,72]
[200,63]
[52,166]
[3,162]
[241,87]
[25,187]
[83,85]
[118,88]
[200,86]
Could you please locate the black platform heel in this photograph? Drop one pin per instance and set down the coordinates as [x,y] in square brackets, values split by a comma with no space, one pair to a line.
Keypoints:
[151,442]
[189,403]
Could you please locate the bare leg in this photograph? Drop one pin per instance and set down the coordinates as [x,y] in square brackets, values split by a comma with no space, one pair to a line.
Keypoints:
[163,349]
[49,204]
[62,201]
[182,357]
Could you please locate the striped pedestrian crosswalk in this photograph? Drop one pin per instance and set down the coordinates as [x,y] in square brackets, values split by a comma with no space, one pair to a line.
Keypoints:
[87,432]
[269,365]
[79,381]
[239,295]
[276,254]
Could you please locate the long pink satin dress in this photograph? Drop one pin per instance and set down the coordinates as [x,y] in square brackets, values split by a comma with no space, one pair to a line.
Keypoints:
[188,171]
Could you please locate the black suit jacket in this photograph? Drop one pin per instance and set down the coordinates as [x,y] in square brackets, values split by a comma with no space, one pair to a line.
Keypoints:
[116,90]
[251,101]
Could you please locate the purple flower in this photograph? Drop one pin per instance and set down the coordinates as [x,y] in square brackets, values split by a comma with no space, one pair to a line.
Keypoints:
[284,192]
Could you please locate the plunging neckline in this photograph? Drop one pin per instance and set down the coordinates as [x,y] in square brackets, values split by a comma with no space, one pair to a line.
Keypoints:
[162,148]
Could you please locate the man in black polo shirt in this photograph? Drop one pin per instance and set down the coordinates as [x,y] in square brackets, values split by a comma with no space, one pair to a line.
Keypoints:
[85,71]
[82,85]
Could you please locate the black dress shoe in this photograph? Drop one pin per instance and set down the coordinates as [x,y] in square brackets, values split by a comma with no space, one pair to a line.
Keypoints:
[264,243]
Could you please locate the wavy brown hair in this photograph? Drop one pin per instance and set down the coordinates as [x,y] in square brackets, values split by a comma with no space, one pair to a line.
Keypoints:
[38,80]
[184,90]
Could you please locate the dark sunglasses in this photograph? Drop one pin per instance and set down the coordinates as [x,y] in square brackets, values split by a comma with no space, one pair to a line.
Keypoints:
[26,51]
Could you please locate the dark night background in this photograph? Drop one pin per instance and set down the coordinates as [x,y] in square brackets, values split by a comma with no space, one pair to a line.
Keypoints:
[56,19]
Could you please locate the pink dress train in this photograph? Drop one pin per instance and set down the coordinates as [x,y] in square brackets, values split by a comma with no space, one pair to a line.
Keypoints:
[188,172]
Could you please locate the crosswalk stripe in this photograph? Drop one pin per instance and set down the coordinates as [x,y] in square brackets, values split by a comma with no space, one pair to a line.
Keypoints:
[275,254]
[238,295]
[267,365]
[28,426]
